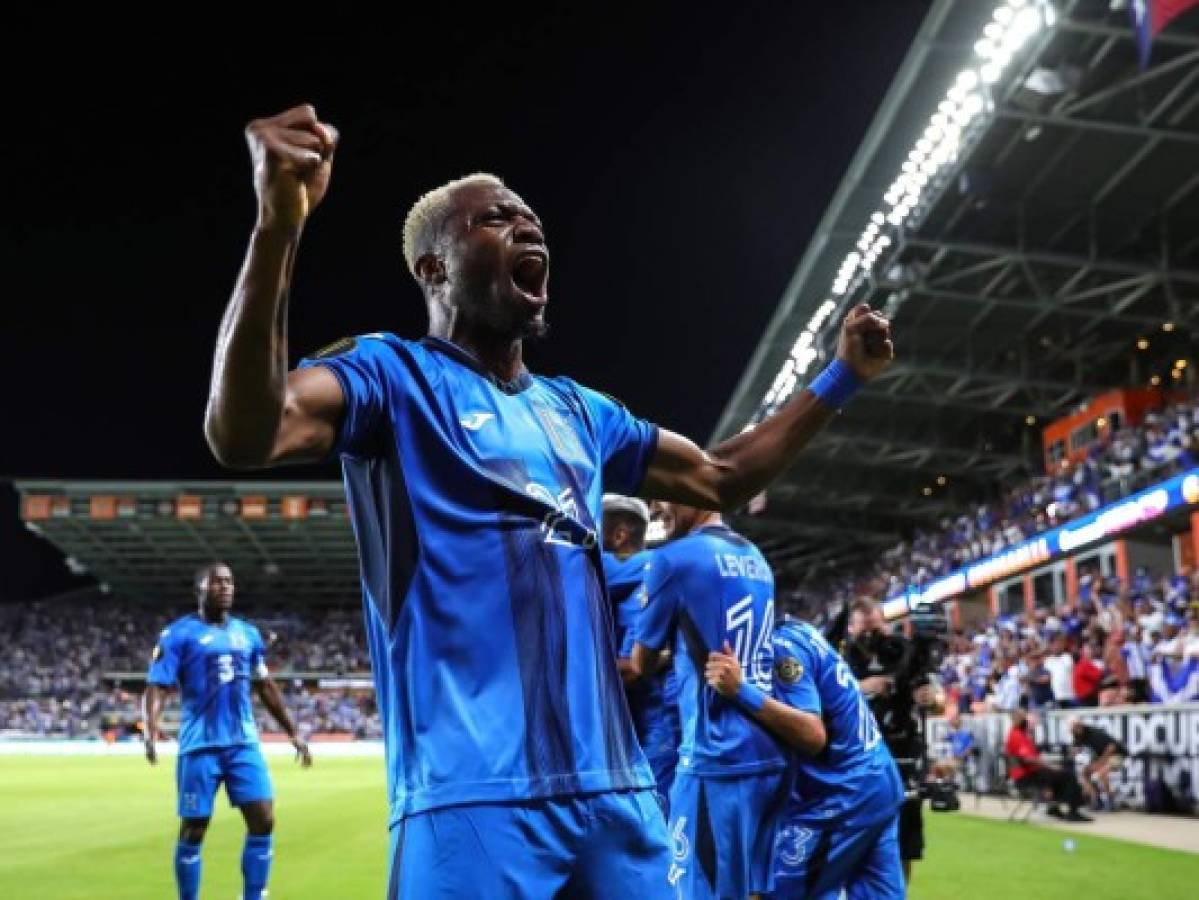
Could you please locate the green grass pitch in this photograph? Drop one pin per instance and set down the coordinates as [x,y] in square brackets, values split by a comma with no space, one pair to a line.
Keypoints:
[104,828]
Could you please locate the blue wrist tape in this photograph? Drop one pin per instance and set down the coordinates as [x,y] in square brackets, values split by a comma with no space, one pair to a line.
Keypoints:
[751,697]
[836,384]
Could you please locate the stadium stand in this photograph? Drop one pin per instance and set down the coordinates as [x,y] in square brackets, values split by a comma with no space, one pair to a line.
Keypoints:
[78,664]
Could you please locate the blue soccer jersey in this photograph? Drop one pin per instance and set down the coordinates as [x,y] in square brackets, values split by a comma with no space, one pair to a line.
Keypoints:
[653,700]
[853,782]
[624,578]
[213,666]
[474,504]
[706,588]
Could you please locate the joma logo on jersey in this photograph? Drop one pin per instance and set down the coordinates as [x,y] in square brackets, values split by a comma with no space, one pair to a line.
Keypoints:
[476,420]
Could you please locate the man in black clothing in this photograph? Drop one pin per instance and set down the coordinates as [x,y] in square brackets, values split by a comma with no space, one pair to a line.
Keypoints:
[882,665]
[1106,754]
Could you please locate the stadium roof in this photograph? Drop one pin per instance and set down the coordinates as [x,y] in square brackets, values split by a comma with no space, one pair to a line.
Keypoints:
[1025,208]
[286,542]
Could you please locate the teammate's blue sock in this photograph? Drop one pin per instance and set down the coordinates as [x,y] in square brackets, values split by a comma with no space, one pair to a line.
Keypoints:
[256,864]
[187,870]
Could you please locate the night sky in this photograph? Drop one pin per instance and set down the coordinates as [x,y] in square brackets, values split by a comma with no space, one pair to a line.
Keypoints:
[679,159]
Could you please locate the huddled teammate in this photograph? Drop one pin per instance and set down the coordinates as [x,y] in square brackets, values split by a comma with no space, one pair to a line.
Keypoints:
[653,700]
[710,588]
[838,836]
[217,661]
[475,491]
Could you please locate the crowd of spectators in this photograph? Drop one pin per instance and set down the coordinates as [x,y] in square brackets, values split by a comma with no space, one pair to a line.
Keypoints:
[1121,460]
[1113,644]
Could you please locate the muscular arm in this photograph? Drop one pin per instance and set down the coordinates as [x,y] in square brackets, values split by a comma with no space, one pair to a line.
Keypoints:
[258,413]
[803,731]
[729,474]
[800,730]
[153,701]
[268,693]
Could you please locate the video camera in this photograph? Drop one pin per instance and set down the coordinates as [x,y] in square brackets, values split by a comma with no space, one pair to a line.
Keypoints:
[910,663]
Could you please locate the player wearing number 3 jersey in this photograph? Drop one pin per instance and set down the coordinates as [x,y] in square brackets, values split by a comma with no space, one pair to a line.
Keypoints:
[839,831]
[711,588]
[218,662]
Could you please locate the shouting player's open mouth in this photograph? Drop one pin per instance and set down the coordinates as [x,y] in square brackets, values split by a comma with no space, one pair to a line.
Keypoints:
[530,273]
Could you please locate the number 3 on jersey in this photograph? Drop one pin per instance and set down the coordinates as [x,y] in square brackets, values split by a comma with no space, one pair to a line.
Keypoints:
[753,653]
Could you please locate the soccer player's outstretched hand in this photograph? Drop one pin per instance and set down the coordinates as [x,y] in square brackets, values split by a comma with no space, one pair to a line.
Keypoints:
[723,672]
[303,754]
[293,159]
[865,343]
[151,752]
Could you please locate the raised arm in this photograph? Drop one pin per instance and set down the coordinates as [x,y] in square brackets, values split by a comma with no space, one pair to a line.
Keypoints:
[729,474]
[258,413]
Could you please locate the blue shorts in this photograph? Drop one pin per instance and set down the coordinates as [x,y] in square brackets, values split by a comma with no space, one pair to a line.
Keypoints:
[198,775]
[595,845]
[722,831]
[818,864]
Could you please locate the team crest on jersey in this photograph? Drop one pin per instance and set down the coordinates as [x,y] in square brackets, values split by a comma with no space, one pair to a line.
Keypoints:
[337,348]
[238,641]
[788,670]
[559,431]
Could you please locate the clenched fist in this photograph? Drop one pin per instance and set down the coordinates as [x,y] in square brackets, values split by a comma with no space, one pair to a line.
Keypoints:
[293,159]
[865,343]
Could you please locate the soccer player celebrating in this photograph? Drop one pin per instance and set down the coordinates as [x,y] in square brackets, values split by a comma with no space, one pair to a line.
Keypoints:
[713,588]
[215,658]
[653,700]
[475,490]
[839,830]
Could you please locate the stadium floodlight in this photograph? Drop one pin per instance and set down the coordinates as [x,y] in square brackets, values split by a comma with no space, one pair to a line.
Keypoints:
[1029,21]
[1011,25]
[973,104]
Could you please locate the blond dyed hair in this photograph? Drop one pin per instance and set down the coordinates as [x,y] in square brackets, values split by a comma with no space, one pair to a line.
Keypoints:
[425,219]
